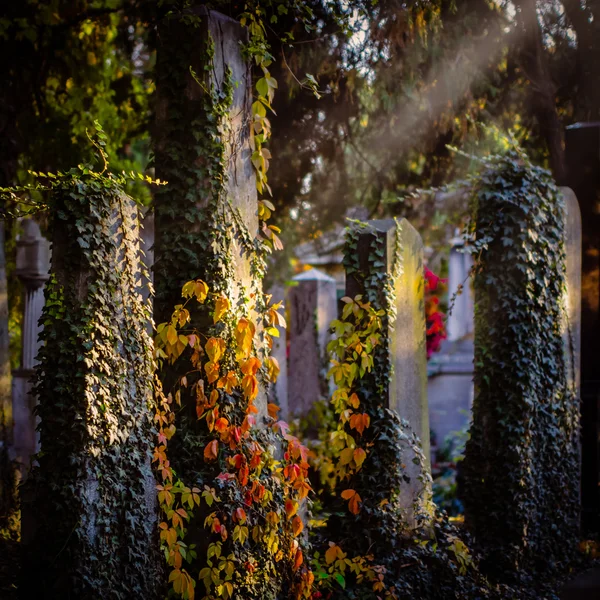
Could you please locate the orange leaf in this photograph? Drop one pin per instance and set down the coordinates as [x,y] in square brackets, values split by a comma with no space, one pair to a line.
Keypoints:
[360,422]
[297,525]
[222,424]
[291,508]
[228,382]
[353,501]
[211,451]
[273,410]
[250,366]
[298,560]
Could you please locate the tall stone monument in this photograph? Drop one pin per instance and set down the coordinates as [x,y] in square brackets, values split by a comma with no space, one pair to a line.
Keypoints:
[406,392]
[313,305]
[583,177]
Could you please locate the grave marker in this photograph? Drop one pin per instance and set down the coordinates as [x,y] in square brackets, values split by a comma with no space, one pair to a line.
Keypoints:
[313,305]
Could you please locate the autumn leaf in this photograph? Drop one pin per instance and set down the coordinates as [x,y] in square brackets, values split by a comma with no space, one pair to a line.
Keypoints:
[353,401]
[250,366]
[211,451]
[353,500]
[222,305]
[297,526]
[291,508]
[215,347]
[333,553]
[359,457]
[298,560]
[212,371]
[360,422]
[244,335]
[228,382]
[273,410]
[273,368]
[221,425]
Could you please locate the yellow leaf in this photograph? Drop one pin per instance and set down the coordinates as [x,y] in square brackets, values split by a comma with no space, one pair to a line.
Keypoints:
[222,305]
[359,457]
[273,368]
[215,347]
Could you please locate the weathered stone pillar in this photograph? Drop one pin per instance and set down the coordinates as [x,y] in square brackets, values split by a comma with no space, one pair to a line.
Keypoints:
[33,264]
[405,341]
[572,325]
[583,177]
[89,507]
[313,305]
[521,459]
[460,318]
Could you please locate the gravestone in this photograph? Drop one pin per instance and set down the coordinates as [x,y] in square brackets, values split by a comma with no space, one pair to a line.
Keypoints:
[572,325]
[312,305]
[522,456]
[33,264]
[406,338]
[460,318]
[278,393]
[89,505]
[583,176]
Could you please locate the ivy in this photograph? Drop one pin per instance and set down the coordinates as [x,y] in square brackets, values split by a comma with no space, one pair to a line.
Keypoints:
[521,464]
[368,548]
[88,506]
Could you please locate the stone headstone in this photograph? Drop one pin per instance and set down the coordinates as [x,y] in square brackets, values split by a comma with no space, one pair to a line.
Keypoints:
[583,177]
[185,73]
[32,268]
[312,305]
[572,326]
[461,318]
[406,338]
[89,505]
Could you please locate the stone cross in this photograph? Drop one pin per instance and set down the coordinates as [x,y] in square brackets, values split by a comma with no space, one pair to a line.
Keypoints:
[33,264]
[406,338]
[313,306]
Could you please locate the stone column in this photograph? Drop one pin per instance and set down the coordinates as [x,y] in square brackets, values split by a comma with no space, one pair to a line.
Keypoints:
[583,177]
[313,305]
[460,318]
[406,337]
[33,263]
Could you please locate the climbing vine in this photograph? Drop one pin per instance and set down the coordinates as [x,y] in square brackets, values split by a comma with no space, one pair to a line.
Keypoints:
[521,459]
[250,504]
[88,504]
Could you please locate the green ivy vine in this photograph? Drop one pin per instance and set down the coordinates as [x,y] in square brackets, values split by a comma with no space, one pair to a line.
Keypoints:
[89,508]
[521,464]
